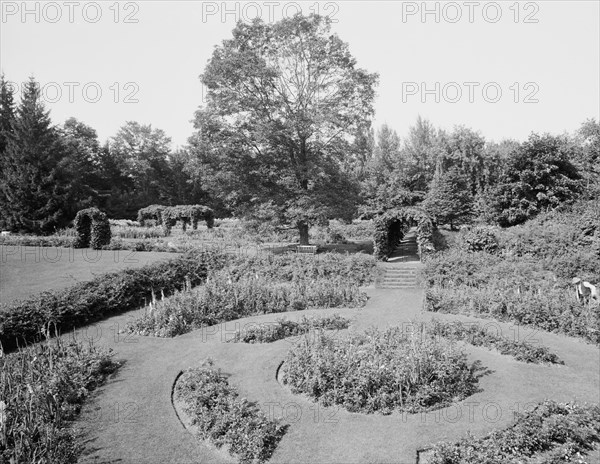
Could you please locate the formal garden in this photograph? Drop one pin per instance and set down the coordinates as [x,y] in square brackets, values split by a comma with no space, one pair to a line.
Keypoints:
[292,286]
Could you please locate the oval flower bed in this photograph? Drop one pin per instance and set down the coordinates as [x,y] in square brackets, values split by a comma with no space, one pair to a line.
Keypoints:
[380,371]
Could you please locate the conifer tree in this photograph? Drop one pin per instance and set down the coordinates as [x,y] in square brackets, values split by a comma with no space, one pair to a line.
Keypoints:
[35,182]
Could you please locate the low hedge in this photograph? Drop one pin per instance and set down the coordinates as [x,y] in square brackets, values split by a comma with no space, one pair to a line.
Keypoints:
[86,302]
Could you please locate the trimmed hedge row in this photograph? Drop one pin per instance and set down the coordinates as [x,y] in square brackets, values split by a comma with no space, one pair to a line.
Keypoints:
[86,302]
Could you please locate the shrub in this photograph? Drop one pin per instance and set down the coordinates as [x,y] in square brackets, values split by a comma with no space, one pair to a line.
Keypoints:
[42,390]
[224,418]
[479,239]
[93,228]
[106,295]
[478,336]
[268,333]
[561,431]
[380,371]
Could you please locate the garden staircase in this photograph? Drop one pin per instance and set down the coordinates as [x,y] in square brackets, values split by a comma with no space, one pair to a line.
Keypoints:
[400,270]
[397,276]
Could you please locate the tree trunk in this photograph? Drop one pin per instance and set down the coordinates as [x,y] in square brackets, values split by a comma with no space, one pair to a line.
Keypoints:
[303,229]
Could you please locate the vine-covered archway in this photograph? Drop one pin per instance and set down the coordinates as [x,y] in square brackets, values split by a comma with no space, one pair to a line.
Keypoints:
[93,229]
[167,216]
[391,226]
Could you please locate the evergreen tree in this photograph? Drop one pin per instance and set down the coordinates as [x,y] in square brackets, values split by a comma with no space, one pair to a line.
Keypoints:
[7,116]
[35,185]
[449,199]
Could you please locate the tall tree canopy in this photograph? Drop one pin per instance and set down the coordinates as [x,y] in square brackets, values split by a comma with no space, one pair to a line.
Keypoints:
[285,104]
[35,181]
[538,176]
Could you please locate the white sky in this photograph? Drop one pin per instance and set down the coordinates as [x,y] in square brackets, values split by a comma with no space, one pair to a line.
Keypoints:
[147,71]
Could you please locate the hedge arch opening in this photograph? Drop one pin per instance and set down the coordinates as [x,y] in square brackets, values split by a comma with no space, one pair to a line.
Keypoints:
[92,228]
[391,226]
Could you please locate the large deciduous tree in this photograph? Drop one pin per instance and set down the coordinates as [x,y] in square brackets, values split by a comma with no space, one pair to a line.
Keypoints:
[285,103]
[539,175]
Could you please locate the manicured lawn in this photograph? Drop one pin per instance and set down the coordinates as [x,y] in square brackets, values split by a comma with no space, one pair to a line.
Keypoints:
[26,271]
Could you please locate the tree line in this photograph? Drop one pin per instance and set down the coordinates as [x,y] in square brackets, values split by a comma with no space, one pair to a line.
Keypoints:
[285,137]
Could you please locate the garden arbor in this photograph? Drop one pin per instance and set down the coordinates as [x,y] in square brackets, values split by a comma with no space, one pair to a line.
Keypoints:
[167,216]
[391,226]
[93,229]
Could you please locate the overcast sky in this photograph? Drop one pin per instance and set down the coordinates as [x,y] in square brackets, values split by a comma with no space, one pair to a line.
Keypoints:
[503,68]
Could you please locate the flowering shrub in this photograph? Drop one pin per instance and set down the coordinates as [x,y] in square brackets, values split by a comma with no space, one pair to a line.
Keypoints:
[380,371]
[268,333]
[561,431]
[224,418]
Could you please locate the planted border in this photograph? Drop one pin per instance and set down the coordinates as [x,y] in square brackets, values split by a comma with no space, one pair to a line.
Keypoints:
[225,419]
[42,390]
[86,302]
[478,336]
[269,333]
[556,431]
[380,371]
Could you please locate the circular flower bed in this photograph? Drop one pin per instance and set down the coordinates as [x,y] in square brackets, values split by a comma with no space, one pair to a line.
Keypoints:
[380,371]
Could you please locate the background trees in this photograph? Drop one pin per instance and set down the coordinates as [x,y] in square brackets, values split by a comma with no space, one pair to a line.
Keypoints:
[285,104]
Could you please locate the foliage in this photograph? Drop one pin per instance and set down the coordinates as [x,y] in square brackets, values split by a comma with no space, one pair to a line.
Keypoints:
[478,336]
[478,239]
[35,183]
[539,176]
[105,295]
[42,390]
[93,229]
[391,226]
[269,332]
[380,371]
[561,431]
[225,419]
[507,288]
[152,212]
[136,232]
[285,102]
[257,285]
[186,214]
[449,200]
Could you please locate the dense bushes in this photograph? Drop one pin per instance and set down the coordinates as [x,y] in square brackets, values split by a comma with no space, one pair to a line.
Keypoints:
[268,332]
[478,239]
[509,288]
[259,285]
[224,418]
[108,294]
[380,371]
[551,433]
[478,336]
[391,226]
[42,390]
[93,229]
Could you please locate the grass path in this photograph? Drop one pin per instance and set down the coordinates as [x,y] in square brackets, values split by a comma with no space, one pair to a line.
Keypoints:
[132,420]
